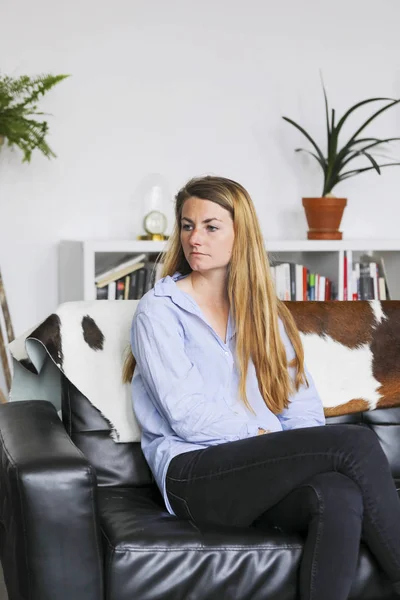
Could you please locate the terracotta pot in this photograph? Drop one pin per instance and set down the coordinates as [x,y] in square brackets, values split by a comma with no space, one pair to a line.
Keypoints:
[323,217]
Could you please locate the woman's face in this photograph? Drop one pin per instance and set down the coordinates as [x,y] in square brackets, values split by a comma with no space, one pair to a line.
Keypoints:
[213,240]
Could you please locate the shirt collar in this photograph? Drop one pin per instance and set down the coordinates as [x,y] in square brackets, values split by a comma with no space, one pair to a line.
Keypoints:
[167,287]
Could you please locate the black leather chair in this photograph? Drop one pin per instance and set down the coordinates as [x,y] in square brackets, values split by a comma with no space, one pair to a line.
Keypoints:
[82,519]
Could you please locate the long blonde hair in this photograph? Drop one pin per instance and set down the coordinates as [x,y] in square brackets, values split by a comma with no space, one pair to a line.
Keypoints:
[254,304]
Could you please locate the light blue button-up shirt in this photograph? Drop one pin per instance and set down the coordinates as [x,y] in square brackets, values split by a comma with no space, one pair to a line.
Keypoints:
[185,384]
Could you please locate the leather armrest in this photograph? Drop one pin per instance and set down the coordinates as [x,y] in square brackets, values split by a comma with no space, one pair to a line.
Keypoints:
[49,526]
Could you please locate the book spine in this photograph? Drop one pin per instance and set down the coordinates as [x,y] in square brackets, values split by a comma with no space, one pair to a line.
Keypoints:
[299,281]
[120,294]
[357,277]
[102,293]
[286,272]
[141,282]
[312,286]
[292,268]
[349,274]
[340,276]
[133,286]
[373,275]
[321,289]
[365,281]
[127,287]
[112,290]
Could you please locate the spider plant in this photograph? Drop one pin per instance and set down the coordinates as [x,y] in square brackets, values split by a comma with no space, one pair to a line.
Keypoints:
[335,165]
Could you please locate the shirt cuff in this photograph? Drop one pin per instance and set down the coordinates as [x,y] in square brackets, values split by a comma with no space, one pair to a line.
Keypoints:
[252,429]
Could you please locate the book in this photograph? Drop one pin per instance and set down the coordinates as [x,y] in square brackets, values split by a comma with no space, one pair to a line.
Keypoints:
[299,282]
[102,293]
[384,275]
[374,276]
[127,287]
[119,270]
[349,254]
[120,274]
[340,291]
[120,289]
[366,281]
[382,288]
[112,290]
[312,286]
[142,273]
[133,286]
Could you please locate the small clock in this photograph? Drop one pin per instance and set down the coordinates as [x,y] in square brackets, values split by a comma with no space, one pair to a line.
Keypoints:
[155,223]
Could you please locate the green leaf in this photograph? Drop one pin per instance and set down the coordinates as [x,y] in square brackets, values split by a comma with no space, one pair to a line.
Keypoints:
[377,142]
[362,140]
[341,155]
[306,135]
[321,162]
[362,103]
[348,174]
[328,129]
[368,121]
[373,161]
[347,147]
[361,151]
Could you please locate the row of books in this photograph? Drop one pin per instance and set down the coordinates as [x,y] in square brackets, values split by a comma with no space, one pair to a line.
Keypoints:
[129,280]
[297,282]
[365,279]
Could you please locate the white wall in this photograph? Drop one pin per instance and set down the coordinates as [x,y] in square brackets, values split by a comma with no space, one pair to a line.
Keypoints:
[184,88]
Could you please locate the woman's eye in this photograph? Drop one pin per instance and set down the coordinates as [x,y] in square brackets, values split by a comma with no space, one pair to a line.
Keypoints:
[209,227]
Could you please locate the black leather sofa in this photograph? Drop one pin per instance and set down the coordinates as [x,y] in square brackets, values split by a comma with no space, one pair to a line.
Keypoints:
[82,519]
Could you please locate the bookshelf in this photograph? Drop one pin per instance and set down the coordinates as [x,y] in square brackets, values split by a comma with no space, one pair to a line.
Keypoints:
[80,261]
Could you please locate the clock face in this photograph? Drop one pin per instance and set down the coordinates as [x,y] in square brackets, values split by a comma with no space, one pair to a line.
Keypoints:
[155,222]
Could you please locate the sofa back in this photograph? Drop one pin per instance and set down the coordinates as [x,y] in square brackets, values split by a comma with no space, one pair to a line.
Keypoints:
[124,465]
[116,464]
[353,349]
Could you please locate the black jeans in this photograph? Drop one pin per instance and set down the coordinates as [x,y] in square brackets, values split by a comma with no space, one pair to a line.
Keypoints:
[332,483]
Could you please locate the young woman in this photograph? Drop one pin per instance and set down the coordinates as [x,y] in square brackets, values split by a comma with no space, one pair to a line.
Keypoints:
[232,424]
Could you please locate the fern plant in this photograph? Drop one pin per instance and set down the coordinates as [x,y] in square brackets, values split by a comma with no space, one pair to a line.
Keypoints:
[18,109]
[335,163]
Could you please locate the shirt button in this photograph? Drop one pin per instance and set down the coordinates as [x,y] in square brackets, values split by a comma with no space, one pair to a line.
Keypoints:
[226,351]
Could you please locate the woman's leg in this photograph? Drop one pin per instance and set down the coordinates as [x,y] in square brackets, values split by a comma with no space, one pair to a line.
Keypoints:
[236,482]
[328,511]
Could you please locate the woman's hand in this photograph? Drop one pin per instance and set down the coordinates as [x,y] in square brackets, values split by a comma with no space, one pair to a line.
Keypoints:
[261,431]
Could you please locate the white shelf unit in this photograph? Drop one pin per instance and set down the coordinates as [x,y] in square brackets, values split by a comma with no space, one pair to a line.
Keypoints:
[79,261]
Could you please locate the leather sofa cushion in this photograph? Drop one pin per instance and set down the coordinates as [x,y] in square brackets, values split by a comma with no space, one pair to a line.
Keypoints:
[150,554]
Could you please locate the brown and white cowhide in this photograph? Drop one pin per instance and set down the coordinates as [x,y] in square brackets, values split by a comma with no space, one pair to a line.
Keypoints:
[88,342]
[352,350]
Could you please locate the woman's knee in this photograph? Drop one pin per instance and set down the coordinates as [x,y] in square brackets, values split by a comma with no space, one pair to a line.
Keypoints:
[359,438]
[334,493]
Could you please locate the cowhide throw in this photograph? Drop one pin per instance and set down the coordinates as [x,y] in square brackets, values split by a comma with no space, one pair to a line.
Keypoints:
[88,342]
[352,350]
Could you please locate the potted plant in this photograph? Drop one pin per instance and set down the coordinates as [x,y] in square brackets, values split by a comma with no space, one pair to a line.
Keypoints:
[324,214]
[18,107]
